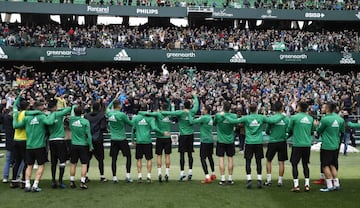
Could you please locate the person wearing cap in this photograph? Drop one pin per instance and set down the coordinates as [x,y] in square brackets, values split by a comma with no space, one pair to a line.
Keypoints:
[58,149]
[34,123]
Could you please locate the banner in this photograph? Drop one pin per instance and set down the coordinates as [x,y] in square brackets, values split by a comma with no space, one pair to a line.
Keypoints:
[122,55]
[24,82]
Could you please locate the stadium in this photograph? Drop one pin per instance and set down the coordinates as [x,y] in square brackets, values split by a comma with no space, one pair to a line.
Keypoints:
[176,55]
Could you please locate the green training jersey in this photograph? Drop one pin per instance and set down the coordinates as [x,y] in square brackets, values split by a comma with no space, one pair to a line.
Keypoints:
[56,130]
[301,126]
[143,126]
[206,127]
[80,131]
[35,125]
[330,128]
[117,121]
[254,126]
[162,122]
[225,129]
[184,116]
[277,131]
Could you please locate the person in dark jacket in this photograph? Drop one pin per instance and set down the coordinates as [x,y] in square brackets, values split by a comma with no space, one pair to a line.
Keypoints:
[6,120]
[98,126]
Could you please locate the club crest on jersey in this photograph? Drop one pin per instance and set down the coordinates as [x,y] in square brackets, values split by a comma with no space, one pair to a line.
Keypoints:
[305,120]
[143,122]
[112,118]
[254,123]
[34,121]
[77,124]
[166,119]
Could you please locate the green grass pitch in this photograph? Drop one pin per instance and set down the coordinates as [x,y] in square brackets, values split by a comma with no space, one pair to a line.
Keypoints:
[190,193]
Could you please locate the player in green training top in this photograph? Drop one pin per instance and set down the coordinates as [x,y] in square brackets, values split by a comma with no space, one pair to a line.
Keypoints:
[81,144]
[225,141]
[254,140]
[277,144]
[207,143]
[331,129]
[143,126]
[117,121]
[186,139]
[163,143]
[301,127]
[34,124]
[58,150]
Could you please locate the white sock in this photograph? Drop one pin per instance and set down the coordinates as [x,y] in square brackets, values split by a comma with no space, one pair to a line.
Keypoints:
[296,182]
[149,175]
[83,179]
[115,178]
[248,177]
[102,176]
[268,178]
[230,178]
[159,171]
[207,176]
[139,175]
[72,178]
[307,181]
[190,171]
[36,184]
[27,184]
[127,175]
[182,173]
[280,180]
[87,175]
[259,177]
[329,183]
[213,173]
[167,171]
[222,177]
[336,182]
[322,176]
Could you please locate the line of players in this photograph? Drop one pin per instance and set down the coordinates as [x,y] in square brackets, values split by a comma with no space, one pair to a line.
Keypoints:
[30,142]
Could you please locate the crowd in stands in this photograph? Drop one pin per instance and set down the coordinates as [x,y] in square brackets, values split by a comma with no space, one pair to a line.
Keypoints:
[202,38]
[276,4]
[153,86]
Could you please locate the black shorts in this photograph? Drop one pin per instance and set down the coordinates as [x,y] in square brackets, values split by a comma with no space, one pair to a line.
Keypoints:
[329,158]
[58,151]
[117,145]
[19,150]
[298,153]
[206,149]
[278,147]
[163,144]
[254,149]
[144,149]
[98,151]
[186,143]
[38,155]
[79,152]
[222,148]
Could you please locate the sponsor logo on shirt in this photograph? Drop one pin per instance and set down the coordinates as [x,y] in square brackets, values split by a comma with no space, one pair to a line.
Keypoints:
[112,118]
[335,124]
[77,124]
[210,123]
[34,121]
[305,120]
[254,123]
[143,122]
[166,119]
[280,123]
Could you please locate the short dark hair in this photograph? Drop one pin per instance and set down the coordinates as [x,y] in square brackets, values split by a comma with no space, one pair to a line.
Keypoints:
[226,106]
[78,110]
[24,104]
[96,107]
[38,104]
[187,104]
[208,108]
[278,106]
[303,106]
[253,108]
[331,106]
[117,104]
